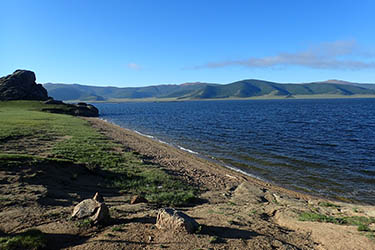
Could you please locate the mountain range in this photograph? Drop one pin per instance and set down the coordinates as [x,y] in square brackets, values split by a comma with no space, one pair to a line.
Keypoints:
[198,90]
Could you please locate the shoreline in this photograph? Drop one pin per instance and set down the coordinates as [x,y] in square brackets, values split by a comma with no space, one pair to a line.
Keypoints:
[218,164]
[197,154]
[213,165]
[254,98]
[242,201]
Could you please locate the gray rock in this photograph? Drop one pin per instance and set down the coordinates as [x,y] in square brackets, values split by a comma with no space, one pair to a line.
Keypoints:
[138,199]
[85,208]
[98,197]
[84,109]
[171,219]
[93,209]
[21,85]
[81,109]
[52,101]
[102,214]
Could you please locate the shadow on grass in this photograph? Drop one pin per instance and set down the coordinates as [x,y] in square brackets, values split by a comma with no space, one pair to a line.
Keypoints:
[66,183]
[35,239]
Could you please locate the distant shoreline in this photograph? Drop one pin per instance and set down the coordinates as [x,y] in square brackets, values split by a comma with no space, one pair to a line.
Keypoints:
[297,97]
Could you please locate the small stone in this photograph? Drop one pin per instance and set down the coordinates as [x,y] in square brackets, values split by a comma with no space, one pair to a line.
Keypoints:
[52,101]
[171,219]
[102,215]
[138,199]
[94,209]
[277,243]
[85,208]
[98,197]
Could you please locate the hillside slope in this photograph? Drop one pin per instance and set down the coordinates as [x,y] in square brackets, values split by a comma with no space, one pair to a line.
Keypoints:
[92,93]
[240,89]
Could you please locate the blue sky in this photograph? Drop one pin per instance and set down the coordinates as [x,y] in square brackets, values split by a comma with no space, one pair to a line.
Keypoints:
[138,43]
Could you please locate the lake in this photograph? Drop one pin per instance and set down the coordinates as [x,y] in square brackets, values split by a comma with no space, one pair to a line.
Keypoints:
[323,146]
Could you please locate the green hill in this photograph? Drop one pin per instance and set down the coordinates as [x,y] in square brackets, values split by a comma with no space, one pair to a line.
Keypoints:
[70,92]
[240,89]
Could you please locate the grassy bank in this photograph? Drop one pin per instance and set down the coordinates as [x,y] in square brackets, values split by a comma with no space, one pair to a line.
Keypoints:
[31,137]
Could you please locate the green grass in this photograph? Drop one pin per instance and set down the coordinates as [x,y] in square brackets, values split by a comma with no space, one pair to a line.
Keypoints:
[364,228]
[312,216]
[32,239]
[85,224]
[216,240]
[74,140]
[199,229]
[370,236]
[356,210]
[117,229]
[25,119]
[253,212]
[362,222]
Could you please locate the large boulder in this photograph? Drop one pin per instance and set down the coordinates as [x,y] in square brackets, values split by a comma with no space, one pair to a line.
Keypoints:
[21,85]
[94,209]
[171,219]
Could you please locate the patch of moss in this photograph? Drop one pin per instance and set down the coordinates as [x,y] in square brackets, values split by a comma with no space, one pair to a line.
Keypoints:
[85,224]
[32,239]
[311,216]
[363,227]
[361,221]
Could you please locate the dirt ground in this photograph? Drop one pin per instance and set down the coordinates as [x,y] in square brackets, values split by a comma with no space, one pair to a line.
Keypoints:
[235,210]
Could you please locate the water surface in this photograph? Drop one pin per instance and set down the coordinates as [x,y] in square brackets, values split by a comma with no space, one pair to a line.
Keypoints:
[326,147]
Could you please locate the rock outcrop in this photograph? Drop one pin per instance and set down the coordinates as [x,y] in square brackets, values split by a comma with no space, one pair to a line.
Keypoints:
[53,101]
[80,109]
[84,109]
[21,85]
[171,219]
[94,209]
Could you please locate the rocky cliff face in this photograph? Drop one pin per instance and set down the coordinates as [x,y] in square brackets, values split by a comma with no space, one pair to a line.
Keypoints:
[21,85]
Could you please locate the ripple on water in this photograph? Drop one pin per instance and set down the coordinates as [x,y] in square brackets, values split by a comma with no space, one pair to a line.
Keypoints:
[321,146]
